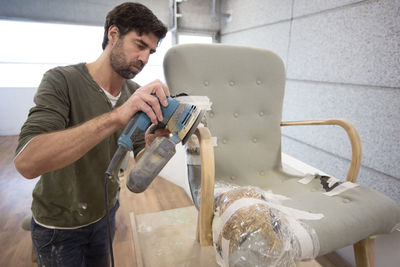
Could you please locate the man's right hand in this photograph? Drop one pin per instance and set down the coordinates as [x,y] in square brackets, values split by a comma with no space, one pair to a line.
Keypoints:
[144,100]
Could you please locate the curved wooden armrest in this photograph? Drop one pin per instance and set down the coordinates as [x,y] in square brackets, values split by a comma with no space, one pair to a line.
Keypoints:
[353,136]
[204,225]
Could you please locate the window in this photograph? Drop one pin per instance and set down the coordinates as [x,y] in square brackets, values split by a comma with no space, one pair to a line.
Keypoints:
[187,38]
[31,48]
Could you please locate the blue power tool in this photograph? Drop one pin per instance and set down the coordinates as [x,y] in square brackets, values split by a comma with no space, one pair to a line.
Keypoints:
[179,118]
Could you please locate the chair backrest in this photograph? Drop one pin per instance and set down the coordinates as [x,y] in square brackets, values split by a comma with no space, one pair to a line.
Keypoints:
[246,88]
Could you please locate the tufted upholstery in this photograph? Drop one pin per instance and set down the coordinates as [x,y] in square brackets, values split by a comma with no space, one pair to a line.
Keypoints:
[246,88]
[246,105]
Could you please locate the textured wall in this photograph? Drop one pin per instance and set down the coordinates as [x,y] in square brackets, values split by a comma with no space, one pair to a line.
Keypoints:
[343,61]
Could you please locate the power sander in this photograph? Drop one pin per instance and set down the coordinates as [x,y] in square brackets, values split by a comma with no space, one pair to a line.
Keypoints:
[179,118]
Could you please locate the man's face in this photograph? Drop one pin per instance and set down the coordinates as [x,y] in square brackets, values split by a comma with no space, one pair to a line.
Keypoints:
[131,53]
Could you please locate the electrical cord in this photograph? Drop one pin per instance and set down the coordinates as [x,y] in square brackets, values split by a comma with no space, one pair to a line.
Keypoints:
[114,164]
[108,217]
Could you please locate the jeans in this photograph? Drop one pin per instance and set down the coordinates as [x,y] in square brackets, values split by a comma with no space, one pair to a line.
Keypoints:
[83,247]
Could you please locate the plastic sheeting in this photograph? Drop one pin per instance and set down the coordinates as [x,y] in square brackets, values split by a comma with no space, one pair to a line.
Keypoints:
[252,228]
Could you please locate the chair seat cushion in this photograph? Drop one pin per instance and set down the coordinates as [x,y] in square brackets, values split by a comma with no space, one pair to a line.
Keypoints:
[350,212]
[324,214]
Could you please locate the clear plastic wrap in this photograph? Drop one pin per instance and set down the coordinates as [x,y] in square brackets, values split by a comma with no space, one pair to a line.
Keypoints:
[192,148]
[252,228]
[193,159]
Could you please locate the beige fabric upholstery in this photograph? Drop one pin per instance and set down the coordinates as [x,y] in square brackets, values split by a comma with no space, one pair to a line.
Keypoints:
[246,88]
[240,99]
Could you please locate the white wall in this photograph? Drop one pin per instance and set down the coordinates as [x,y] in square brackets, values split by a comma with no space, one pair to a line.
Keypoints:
[386,251]
[14,108]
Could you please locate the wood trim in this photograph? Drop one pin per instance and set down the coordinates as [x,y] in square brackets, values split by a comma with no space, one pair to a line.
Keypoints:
[204,226]
[352,134]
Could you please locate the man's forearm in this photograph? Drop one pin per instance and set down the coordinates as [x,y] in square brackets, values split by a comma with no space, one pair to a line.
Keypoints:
[52,151]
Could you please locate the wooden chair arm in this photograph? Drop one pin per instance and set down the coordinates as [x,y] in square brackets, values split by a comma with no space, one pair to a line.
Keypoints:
[353,136]
[204,226]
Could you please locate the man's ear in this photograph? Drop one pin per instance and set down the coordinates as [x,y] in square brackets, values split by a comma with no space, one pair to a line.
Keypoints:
[113,34]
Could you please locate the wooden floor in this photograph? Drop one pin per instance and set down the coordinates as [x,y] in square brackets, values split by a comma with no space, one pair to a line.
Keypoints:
[15,201]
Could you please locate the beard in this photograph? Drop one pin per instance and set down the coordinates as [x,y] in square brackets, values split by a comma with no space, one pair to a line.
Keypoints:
[120,65]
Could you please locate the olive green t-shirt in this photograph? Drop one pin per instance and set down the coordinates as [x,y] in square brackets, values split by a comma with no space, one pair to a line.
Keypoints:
[73,196]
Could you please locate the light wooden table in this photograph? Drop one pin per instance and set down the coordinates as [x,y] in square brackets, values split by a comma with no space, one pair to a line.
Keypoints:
[167,238]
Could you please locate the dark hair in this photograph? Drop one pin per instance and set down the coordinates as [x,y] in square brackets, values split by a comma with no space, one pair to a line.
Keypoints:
[133,16]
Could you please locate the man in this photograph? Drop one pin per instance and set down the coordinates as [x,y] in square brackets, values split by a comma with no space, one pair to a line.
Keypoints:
[71,135]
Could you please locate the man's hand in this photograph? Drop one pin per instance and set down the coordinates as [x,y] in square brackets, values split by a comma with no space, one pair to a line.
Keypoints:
[149,137]
[144,100]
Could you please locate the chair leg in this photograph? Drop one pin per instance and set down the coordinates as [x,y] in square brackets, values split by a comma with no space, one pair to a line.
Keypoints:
[198,229]
[364,252]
